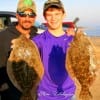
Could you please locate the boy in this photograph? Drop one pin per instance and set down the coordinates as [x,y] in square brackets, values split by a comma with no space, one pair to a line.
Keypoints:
[52,44]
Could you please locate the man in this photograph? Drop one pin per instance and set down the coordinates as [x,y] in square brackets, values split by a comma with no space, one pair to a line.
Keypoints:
[52,44]
[26,15]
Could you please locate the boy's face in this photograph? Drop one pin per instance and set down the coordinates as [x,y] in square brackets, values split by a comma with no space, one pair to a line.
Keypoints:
[54,18]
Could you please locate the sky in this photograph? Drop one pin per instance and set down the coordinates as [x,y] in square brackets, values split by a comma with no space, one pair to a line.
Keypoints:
[88,11]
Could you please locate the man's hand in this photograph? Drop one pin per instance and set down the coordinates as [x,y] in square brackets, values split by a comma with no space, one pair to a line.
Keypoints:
[4,87]
[13,42]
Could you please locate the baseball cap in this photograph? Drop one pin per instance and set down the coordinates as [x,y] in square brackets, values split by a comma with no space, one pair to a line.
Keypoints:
[50,3]
[26,4]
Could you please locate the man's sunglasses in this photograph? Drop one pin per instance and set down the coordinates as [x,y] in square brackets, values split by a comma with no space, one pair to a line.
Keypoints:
[31,15]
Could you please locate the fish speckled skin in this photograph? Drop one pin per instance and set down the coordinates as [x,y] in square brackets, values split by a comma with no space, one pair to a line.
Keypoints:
[81,63]
[24,67]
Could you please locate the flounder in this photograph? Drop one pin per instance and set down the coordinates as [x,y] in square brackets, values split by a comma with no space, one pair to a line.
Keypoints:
[81,63]
[25,68]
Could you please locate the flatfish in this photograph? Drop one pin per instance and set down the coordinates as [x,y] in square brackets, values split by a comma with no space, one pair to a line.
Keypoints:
[24,67]
[81,63]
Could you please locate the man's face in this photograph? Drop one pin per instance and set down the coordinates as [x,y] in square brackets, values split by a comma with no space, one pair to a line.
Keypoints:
[26,19]
[54,18]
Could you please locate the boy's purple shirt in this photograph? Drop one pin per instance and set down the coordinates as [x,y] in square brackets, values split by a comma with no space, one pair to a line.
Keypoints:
[56,83]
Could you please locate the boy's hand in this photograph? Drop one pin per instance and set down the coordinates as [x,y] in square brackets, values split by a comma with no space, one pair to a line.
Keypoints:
[70,31]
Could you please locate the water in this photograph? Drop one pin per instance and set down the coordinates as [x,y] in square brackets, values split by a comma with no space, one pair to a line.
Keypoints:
[94,31]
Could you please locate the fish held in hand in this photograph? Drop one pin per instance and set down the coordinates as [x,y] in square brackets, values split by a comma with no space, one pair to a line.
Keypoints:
[24,67]
[81,63]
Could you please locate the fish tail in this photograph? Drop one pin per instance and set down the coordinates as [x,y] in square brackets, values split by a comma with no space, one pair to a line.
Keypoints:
[85,94]
[28,96]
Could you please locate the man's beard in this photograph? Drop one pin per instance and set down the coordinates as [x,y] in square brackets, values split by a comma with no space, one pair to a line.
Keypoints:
[24,28]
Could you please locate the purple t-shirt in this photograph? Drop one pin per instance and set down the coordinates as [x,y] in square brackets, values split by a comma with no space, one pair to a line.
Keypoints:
[56,83]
